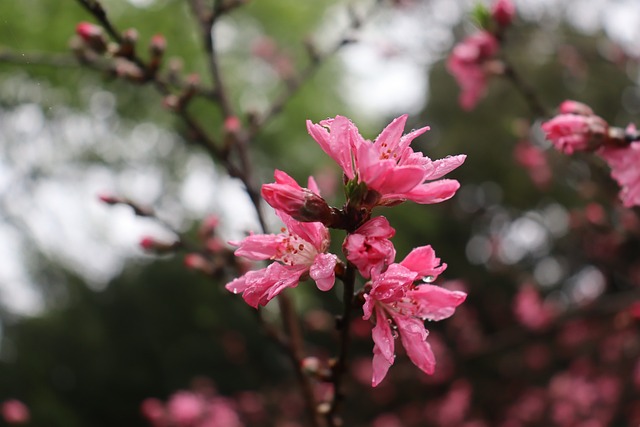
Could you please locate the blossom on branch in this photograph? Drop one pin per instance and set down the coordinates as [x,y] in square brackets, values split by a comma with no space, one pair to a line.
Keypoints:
[503,12]
[303,204]
[400,308]
[575,132]
[387,165]
[471,62]
[369,247]
[300,250]
[624,161]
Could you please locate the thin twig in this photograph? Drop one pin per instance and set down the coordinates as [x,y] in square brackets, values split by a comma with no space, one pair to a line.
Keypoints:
[528,93]
[296,354]
[340,367]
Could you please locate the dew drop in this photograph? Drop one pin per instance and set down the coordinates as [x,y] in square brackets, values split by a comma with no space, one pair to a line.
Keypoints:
[394,334]
[428,279]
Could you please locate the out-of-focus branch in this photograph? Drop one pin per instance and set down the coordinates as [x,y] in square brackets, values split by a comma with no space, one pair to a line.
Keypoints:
[526,90]
[316,60]
[295,351]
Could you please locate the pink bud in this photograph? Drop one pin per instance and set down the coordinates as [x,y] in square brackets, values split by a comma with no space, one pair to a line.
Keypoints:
[503,12]
[232,124]
[15,412]
[130,35]
[158,44]
[109,199]
[185,408]
[148,243]
[88,31]
[575,107]
[153,410]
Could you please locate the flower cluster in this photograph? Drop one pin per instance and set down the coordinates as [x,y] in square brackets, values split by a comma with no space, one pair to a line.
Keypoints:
[577,128]
[473,60]
[383,172]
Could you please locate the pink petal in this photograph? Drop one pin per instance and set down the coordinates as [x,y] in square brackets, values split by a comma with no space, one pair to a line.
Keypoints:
[406,140]
[377,227]
[441,167]
[402,179]
[414,336]
[392,284]
[433,192]
[323,271]
[389,138]
[423,261]
[383,349]
[258,246]
[434,302]
[258,287]
[283,178]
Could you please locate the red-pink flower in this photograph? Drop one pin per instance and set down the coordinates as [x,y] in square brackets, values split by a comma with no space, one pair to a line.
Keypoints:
[300,249]
[574,132]
[303,204]
[388,165]
[369,247]
[574,107]
[467,63]
[15,412]
[624,162]
[401,308]
[530,310]
[502,12]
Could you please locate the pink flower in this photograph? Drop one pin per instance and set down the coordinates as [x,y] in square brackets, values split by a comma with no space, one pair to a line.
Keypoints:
[303,204]
[15,412]
[573,132]
[185,408]
[534,161]
[530,310]
[88,31]
[369,247]
[502,12]
[387,166]
[624,162]
[401,306]
[467,63]
[300,249]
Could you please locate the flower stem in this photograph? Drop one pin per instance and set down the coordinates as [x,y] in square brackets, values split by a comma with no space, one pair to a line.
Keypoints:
[340,367]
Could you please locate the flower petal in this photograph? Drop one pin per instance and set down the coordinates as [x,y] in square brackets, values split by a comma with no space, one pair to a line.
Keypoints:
[423,261]
[435,302]
[414,335]
[323,271]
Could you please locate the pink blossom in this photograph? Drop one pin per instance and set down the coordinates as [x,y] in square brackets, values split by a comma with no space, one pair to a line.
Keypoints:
[502,12]
[303,204]
[534,161]
[88,31]
[300,249]
[530,309]
[573,132]
[15,412]
[369,247]
[467,63]
[153,410]
[401,306]
[185,408]
[388,165]
[624,162]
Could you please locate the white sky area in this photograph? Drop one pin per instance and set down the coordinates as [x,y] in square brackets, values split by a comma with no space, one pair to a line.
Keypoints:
[386,75]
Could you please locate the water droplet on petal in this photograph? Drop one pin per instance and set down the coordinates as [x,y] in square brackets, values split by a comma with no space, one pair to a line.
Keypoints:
[428,279]
[394,334]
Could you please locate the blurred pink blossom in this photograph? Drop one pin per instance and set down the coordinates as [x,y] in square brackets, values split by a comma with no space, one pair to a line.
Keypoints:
[468,64]
[15,412]
[572,132]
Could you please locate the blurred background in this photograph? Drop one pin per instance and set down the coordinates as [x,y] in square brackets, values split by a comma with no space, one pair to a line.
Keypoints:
[91,325]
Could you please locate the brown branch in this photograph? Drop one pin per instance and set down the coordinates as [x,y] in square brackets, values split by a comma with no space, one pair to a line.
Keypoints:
[340,367]
[295,351]
[528,93]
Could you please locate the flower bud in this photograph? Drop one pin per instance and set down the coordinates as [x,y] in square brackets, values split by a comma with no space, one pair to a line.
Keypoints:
[301,203]
[93,36]
[15,412]
[572,132]
[158,45]
[502,12]
[150,244]
[575,107]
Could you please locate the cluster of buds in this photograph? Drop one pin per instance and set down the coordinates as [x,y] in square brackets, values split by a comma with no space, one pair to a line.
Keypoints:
[92,43]
[474,60]
[397,297]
